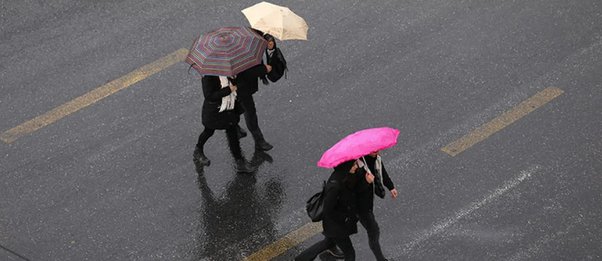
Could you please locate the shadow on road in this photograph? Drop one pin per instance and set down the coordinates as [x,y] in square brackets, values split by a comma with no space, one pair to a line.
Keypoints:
[243,215]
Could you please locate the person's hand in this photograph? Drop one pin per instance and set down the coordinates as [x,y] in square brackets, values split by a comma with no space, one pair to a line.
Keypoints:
[233,87]
[268,67]
[369,177]
[394,193]
[353,168]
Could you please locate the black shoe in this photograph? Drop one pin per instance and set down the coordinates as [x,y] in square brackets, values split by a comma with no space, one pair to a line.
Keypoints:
[335,252]
[200,158]
[242,166]
[260,143]
[199,168]
[259,157]
[263,145]
[241,133]
[264,81]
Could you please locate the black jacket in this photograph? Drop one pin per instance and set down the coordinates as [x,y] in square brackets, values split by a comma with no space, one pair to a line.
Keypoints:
[247,80]
[211,117]
[365,191]
[340,213]
[278,63]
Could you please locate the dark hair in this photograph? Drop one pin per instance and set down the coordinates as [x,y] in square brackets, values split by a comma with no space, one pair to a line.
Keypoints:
[345,166]
[342,172]
[232,80]
[259,32]
[269,37]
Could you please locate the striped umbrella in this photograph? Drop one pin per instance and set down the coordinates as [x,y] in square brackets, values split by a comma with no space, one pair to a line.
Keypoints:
[226,51]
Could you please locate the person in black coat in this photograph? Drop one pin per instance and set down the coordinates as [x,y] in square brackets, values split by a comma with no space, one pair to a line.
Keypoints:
[213,119]
[247,82]
[275,58]
[339,213]
[366,187]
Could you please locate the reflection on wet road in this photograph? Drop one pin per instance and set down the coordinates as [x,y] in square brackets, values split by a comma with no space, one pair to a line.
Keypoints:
[246,209]
[96,130]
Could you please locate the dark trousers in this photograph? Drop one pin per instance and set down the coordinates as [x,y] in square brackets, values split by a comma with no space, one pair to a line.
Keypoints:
[369,222]
[344,243]
[248,104]
[231,134]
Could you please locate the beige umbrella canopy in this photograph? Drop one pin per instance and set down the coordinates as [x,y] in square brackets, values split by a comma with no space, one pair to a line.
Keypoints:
[276,20]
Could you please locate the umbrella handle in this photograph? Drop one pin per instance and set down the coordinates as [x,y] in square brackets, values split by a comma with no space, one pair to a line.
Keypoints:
[192,65]
[362,164]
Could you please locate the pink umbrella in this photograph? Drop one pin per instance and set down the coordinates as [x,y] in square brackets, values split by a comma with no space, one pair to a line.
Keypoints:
[359,144]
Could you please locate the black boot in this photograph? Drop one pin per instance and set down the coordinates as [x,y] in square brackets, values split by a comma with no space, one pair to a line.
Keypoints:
[241,132]
[335,252]
[199,157]
[259,157]
[260,142]
[242,166]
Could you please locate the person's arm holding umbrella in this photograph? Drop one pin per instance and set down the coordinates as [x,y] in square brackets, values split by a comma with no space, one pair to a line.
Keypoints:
[213,95]
[259,70]
[389,183]
[369,177]
[249,78]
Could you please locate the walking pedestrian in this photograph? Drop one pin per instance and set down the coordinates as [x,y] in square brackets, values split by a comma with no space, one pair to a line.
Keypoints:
[275,58]
[221,111]
[339,214]
[366,188]
[247,82]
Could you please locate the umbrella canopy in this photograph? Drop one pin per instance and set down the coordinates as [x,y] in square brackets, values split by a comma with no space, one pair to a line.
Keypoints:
[276,20]
[226,51]
[359,144]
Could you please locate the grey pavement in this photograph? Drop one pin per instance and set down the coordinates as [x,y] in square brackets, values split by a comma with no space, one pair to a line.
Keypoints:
[116,181]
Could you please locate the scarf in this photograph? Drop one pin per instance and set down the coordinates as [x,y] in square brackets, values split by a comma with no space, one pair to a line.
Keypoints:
[228,101]
[378,165]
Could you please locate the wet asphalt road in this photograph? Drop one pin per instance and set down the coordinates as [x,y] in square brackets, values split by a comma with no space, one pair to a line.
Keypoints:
[116,180]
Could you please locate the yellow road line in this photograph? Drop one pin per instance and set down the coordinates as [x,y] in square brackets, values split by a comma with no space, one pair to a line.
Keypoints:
[290,240]
[500,122]
[93,96]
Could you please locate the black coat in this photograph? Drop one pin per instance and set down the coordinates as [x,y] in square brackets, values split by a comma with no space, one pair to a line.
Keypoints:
[365,191]
[278,63]
[247,80]
[211,117]
[340,214]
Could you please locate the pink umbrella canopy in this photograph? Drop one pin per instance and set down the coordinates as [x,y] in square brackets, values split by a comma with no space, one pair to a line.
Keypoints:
[359,144]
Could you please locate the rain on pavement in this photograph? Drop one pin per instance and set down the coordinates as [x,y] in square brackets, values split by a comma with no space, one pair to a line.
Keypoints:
[113,179]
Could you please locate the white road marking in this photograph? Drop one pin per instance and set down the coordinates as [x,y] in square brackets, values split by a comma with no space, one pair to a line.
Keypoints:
[442,225]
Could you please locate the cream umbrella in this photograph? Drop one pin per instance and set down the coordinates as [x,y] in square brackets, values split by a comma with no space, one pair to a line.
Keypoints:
[276,20]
